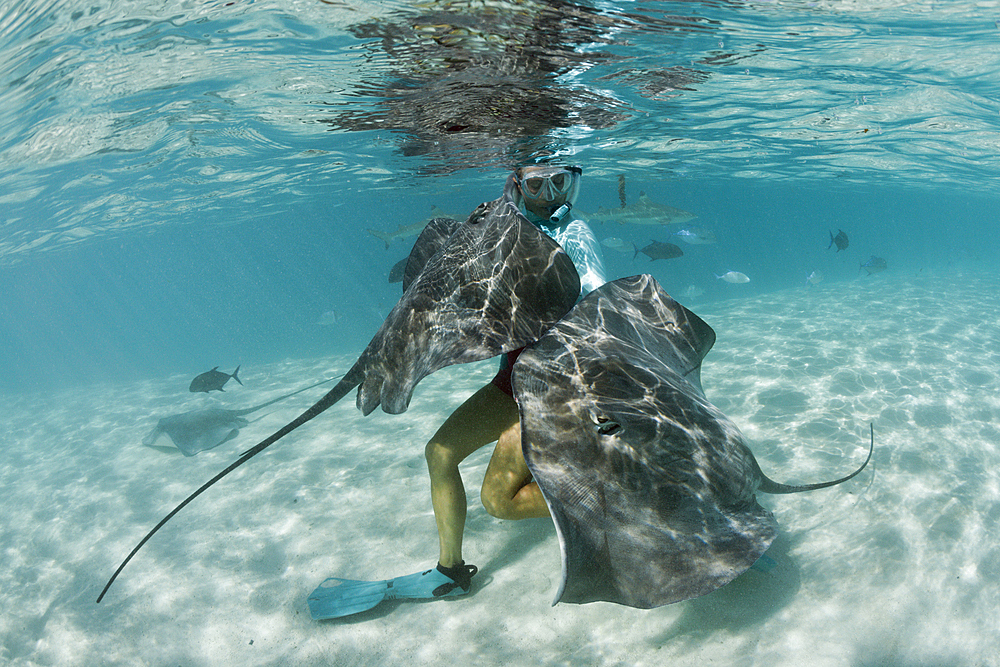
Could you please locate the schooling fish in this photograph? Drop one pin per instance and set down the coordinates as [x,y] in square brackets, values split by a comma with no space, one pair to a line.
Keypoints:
[874,265]
[329,318]
[840,240]
[658,250]
[734,277]
[692,292]
[213,380]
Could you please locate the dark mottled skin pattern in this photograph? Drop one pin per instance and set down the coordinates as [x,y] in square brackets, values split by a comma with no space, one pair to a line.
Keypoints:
[496,284]
[651,487]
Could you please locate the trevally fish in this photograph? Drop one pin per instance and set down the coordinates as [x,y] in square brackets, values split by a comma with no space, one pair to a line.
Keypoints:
[659,250]
[615,243]
[734,277]
[874,265]
[840,240]
[213,380]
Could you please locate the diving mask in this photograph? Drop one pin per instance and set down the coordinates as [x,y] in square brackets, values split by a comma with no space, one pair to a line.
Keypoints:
[552,188]
[548,183]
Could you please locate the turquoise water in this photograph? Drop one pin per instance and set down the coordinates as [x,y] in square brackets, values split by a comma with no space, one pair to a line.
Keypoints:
[191,184]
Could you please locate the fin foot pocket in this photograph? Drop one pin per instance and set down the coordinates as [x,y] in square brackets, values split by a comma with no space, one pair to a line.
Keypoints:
[336,598]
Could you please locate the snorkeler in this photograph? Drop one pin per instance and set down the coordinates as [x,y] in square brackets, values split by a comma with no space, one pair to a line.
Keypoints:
[547,195]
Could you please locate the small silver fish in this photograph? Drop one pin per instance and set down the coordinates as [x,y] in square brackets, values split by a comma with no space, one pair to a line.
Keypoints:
[814,278]
[615,243]
[696,236]
[692,292]
[734,277]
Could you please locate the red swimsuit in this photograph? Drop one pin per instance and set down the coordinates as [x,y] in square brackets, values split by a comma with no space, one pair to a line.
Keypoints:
[502,379]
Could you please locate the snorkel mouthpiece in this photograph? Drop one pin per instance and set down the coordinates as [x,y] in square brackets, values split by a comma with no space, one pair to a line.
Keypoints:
[560,213]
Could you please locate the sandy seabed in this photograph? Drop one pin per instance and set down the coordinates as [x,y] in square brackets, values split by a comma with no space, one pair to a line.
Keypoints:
[899,566]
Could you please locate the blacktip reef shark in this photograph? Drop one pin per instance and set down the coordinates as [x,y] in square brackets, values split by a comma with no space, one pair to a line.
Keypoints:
[207,428]
[643,212]
[636,466]
[403,231]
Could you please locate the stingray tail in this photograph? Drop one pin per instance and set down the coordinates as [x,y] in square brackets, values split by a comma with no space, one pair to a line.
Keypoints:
[237,377]
[350,381]
[770,486]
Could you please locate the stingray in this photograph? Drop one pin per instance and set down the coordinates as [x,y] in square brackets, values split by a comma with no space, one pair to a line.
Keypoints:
[493,284]
[200,430]
[652,488]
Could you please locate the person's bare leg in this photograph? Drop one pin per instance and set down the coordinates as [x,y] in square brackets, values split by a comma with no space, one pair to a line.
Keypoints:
[477,422]
[508,490]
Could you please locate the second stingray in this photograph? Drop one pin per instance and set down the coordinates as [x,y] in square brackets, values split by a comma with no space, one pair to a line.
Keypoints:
[207,428]
[652,489]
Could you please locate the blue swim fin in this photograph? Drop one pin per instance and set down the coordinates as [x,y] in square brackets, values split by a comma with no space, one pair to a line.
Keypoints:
[335,597]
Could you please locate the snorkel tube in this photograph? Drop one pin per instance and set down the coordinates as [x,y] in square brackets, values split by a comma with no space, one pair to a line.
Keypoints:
[560,213]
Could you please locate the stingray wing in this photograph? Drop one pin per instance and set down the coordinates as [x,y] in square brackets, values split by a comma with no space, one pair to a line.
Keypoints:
[651,488]
[496,284]
[431,240]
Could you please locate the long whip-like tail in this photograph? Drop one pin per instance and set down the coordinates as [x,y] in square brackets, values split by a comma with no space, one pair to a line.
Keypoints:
[770,486]
[350,381]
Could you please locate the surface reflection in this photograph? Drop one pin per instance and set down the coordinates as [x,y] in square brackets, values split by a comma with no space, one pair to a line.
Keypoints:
[503,82]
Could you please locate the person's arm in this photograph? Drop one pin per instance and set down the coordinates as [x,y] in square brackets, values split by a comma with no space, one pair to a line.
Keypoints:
[582,246]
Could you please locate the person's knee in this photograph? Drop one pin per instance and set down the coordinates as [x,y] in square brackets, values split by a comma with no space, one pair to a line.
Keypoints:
[439,456]
[496,501]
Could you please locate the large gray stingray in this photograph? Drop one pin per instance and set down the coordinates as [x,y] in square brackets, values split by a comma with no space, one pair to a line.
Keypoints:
[652,489]
[495,283]
[200,430]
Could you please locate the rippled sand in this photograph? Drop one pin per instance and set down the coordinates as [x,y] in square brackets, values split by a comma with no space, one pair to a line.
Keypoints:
[900,566]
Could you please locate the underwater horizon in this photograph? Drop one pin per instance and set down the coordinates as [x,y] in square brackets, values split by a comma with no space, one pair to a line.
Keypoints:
[194,184]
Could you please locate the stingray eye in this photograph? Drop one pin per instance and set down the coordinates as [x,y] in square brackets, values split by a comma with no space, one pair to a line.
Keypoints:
[605,426]
[609,428]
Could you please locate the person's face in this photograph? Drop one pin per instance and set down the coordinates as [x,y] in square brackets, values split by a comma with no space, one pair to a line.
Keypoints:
[543,189]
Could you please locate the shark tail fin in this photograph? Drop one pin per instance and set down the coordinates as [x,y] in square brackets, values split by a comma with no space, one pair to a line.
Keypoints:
[380,235]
